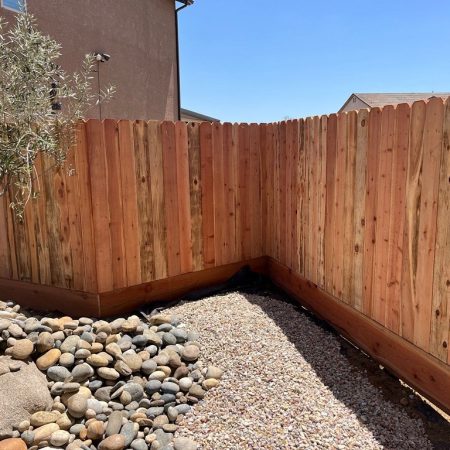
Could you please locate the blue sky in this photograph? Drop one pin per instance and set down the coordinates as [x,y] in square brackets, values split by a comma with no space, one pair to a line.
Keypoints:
[262,61]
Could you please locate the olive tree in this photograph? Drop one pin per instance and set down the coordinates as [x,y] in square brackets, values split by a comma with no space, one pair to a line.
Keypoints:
[40,105]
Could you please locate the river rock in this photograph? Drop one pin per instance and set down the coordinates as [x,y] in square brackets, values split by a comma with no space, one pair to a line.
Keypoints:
[70,344]
[133,361]
[13,444]
[114,423]
[59,438]
[108,373]
[58,373]
[170,388]
[113,442]
[197,391]
[48,359]
[97,360]
[129,431]
[45,342]
[159,319]
[122,368]
[66,360]
[190,353]
[43,433]
[22,349]
[43,418]
[82,372]
[95,430]
[210,383]
[77,405]
[214,372]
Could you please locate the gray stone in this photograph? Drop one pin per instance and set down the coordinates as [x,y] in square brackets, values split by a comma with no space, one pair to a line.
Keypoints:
[148,366]
[95,405]
[70,344]
[172,413]
[129,431]
[88,337]
[136,391]
[22,393]
[152,349]
[139,444]
[168,398]
[170,388]
[103,393]
[82,372]
[169,339]
[152,386]
[28,437]
[95,384]
[180,334]
[58,373]
[183,408]
[114,423]
[162,437]
[75,429]
[140,340]
[154,411]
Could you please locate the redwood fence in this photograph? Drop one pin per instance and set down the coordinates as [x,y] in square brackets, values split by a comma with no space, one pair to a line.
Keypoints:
[348,212]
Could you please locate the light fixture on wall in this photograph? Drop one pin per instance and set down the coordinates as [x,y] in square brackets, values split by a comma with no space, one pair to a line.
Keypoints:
[100,58]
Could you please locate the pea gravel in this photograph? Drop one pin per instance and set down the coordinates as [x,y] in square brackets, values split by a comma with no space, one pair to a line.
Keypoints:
[286,385]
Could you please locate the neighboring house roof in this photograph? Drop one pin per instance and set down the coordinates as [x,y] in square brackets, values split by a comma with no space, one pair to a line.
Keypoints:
[189,115]
[374,100]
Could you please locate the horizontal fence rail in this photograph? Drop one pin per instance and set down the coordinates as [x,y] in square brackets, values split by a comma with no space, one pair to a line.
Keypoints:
[349,210]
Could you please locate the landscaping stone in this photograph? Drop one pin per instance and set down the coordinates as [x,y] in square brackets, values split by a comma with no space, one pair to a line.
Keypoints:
[114,385]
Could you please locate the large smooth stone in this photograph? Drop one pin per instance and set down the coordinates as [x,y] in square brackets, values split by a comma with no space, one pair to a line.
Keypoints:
[22,393]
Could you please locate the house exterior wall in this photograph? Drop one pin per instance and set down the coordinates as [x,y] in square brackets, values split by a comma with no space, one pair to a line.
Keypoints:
[353,104]
[141,39]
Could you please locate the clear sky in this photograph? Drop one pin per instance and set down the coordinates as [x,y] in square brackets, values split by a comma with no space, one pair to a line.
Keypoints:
[262,61]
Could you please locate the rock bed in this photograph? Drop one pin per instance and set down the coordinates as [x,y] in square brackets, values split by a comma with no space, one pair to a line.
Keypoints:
[286,385]
[107,385]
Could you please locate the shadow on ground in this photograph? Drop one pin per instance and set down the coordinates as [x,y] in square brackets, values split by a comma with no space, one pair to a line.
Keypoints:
[436,426]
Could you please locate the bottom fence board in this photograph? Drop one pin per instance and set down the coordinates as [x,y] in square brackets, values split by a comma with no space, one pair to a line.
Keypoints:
[124,300]
[49,298]
[423,372]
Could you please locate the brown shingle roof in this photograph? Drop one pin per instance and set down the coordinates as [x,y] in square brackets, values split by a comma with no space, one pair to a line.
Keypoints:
[373,100]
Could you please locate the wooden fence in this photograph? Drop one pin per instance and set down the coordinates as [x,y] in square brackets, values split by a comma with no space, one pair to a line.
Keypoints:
[348,212]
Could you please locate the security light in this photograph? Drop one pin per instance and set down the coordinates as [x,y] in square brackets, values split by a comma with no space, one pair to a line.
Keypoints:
[102,57]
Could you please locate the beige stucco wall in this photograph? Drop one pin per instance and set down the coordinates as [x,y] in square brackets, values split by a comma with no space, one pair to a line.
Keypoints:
[140,37]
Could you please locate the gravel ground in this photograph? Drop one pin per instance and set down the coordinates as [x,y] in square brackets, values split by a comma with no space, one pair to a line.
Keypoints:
[286,384]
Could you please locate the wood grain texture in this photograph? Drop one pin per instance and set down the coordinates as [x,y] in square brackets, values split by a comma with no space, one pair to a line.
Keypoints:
[355,203]
[440,317]
[195,184]
[207,176]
